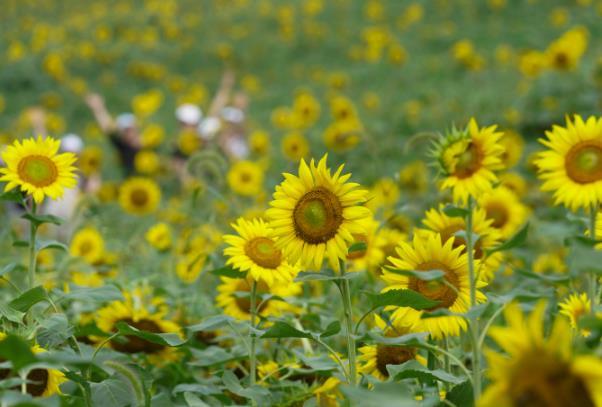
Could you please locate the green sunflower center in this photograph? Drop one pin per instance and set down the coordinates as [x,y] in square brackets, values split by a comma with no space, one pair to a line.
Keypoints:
[263,252]
[446,292]
[392,355]
[139,197]
[317,216]
[134,344]
[38,170]
[583,162]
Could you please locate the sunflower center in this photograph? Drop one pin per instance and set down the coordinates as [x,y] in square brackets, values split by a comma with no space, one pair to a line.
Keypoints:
[444,292]
[139,197]
[358,254]
[317,216]
[85,247]
[244,303]
[498,213]
[467,162]
[39,381]
[263,252]
[134,344]
[38,170]
[460,241]
[392,355]
[545,381]
[583,162]
[245,177]
[561,60]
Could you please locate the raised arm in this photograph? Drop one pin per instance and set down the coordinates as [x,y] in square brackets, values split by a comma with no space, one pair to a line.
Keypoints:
[223,94]
[97,104]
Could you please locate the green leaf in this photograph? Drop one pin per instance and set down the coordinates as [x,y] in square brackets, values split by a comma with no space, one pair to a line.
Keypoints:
[415,339]
[357,247]
[10,313]
[106,293]
[28,299]
[326,275]
[20,243]
[414,370]
[455,212]
[38,220]
[211,323]
[14,195]
[582,256]
[332,329]
[429,275]
[283,330]
[517,240]
[10,267]
[401,298]
[114,392]
[228,271]
[54,330]
[165,339]
[256,393]
[461,395]
[550,278]
[51,244]
[18,351]
[131,377]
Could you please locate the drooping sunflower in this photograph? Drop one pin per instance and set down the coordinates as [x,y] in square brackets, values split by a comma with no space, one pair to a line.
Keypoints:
[245,178]
[35,167]
[574,307]
[438,222]
[315,214]
[234,298]
[505,209]
[572,165]
[139,196]
[539,371]
[467,160]
[143,311]
[88,244]
[254,250]
[427,252]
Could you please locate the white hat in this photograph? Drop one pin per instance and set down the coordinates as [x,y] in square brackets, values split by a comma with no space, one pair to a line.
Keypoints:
[189,114]
[125,121]
[72,143]
[208,127]
[233,114]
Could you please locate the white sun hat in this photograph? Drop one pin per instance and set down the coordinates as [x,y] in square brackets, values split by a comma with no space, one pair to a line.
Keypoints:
[125,121]
[72,143]
[189,114]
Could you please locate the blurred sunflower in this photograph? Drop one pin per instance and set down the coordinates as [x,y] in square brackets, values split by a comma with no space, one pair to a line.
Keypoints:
[295,146]
[139,196]
[253,250]
[159,236]
[88,244]
[505,210]
[147,162]
[35,167]
[388,240]
[566,52]
[513,145]
[552,262]
[539,371]
[572,165]
[414,177]
[245,178]
[467,160]
[425,253]
[574,307]
[373,256]
[315,214]
[90,160]
[342,136]
[234,297]
[514,182]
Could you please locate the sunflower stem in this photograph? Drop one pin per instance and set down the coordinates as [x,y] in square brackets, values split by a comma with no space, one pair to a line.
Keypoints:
[346,294]
[252,359]
[32,248]
[593,213]
[474,323]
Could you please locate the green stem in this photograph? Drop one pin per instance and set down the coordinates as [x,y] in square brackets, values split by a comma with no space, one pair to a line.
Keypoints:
[346,296]
[32,248]
[474,323]
[252,359]
[593,290]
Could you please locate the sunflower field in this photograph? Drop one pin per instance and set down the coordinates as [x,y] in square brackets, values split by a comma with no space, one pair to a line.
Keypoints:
[301,203]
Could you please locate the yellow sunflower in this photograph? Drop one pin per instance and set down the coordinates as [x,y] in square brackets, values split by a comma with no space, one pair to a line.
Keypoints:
[142,311]
[572,165]
[90,160]
[234,297]
[295,146]
[388,240]
[552,262]
[159,236]
[438,222]
[343,136]
[574,307]
[314,215]
[539,371]
[88,244]
[373,256]
[505,209]
[245,178]
[467,160]
[514,182]
[35,167]
[513,145]
[254,251]
[139,196]
[425,253]
[414,177]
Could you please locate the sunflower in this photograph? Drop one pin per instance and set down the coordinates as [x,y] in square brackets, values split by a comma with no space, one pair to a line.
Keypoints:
[552,262]
[314,215]
[388,240]
[245,178]
[90,160]
[428,252]
[147,162]
[468,158]
[139,196]
[36,168]
[438,222]
[513,145]
[88,244]
[574,307]
[383,194]
[234,298]
[295,146]
[572,165]
[142,311]
[414,177]
[343,136]
[254,251]
[373,256]
[539,371]
[505,209]
[373,359]
[307,108]
[565,53]
[159,236]
[514,182]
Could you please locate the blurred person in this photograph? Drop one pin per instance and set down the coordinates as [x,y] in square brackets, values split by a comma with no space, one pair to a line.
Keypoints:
[122,131]
[233,137]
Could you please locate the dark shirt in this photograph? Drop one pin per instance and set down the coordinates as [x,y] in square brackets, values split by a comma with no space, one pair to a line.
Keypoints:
[127,153]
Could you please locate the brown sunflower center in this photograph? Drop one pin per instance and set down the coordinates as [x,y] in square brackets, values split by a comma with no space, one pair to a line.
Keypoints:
[39,382]
[561,60]
[392,355]
[245,177]
[38,170]
[134,344]
[444,292]
[85,247]
[498,213]
[317,216]
[583,162]
[358,254]
[263,252]
[468,162]
[244,303]
[541,381]
[139,197]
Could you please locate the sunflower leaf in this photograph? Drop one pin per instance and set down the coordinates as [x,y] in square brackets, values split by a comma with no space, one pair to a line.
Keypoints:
[461,395]
[517,240]
[210,323]
[10,267]
[357,247]
[38,220]
[281,329]
[455,211]
[414,370]
[51,244]
[326,275]
[28,299]
[14,195]
[429,275]
[18,351]
[165,339]
[228,271]
[401,298]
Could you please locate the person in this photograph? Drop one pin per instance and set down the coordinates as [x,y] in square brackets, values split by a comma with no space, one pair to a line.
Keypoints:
[233,137]
[123,132]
